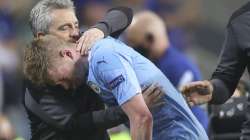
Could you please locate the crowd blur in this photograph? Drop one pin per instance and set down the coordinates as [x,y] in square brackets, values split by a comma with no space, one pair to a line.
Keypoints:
[195,28]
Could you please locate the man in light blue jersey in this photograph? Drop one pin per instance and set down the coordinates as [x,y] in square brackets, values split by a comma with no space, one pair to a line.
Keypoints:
[117,73]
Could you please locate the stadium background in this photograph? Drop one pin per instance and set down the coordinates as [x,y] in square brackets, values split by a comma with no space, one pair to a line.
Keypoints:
[196,27]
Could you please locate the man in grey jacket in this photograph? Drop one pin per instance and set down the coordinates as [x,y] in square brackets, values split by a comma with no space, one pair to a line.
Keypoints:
[79,114]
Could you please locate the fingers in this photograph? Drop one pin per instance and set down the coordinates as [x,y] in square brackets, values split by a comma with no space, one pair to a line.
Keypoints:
[194,84]
[149,90]
[197,93]
[80,43]
[162,93]
[157,94]
[158,98]
[88,39]
[85,43]
[194,87]
[197,99]
[191,104]
[159,104]
[190,101]
[85,46]
[154,94]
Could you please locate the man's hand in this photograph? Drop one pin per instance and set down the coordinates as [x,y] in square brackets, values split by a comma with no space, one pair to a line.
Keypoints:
[153,95]
[197,93]
[88,38]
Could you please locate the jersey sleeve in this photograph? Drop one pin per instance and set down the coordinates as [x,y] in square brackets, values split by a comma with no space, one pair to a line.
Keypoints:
[116,74]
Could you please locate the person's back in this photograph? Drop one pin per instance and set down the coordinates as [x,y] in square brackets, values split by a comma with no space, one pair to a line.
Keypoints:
[173,120]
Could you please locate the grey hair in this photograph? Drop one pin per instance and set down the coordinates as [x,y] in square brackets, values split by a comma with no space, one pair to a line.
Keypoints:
[40,18]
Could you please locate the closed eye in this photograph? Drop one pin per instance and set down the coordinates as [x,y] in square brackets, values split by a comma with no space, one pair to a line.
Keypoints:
[65,27]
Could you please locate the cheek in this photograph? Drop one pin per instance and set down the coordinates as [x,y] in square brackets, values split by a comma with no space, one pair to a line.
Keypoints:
[55,75]
[62,34]
[69,70]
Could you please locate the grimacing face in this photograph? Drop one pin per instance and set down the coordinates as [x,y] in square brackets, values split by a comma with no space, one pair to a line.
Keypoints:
[70,70]
[64,24]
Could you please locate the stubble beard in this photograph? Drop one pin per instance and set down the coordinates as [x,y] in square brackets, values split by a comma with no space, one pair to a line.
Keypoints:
[80,73]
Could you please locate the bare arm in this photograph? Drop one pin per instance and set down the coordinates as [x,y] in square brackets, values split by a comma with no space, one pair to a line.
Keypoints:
[119,77]
[140,118]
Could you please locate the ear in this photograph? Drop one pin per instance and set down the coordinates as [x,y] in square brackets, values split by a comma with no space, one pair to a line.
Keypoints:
[40,34]
[149,37]
[66,53]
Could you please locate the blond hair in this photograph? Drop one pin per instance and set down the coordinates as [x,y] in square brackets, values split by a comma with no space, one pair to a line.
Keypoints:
[41,55]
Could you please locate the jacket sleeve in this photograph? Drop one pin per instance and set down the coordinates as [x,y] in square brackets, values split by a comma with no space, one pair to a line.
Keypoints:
[115,21]
[102,119]
[233,59]
[98,118]
[64,113]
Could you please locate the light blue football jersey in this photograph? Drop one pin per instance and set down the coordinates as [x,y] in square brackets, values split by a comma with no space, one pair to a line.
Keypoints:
[117,73]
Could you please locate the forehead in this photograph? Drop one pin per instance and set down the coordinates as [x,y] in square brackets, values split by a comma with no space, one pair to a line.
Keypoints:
[62,16]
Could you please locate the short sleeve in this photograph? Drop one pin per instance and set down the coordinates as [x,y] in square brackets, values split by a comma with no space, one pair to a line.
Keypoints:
[115,73]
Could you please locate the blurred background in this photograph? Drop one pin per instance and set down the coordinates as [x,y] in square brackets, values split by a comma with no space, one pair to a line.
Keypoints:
[195,27]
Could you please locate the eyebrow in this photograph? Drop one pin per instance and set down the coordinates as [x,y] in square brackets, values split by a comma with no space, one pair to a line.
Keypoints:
[65,24]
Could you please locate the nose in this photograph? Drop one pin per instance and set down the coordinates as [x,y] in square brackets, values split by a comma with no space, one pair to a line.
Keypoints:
[75,34]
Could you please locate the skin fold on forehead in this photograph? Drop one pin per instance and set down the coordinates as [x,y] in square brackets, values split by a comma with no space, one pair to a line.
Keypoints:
[62,16]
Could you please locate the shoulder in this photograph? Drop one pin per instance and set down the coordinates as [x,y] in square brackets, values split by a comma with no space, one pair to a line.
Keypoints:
[104,58]
[109,49]
[106,42]
[241,15]
[103,47]
[245,8]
